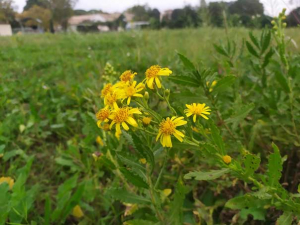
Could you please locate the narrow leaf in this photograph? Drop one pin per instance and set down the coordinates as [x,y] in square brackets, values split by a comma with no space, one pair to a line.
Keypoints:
[210,175]
[285,219]
[186,62]
[185,80]
[251,49]
[133,178]
[224,84]
[127,197]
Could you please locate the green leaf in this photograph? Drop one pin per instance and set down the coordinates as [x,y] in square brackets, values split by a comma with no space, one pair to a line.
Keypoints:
[221,50]
[141,148]
[10,154]
[254,40]
[265,41]
[241,114]
[274,167]
[176,213]
[217,138]
[282,80]
[130,162]
[224,84]
[48,209]
[246,201]
[133,178]
[126,197]
[186,62]
[268,57]
[210,175]
[251,163]
[258,214]
[252,50]
[185,80]
[285,219]
[139,222]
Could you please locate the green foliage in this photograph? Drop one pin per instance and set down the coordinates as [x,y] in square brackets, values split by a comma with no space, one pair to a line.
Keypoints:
[210,175]
[48,107]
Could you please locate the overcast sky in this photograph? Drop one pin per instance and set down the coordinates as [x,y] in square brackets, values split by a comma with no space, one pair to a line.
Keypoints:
[272,7]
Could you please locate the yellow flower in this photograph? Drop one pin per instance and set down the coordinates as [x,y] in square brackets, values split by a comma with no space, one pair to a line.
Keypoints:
[195,129]
[227,159]
[122,116]
[107,89]
[146,120]
[128,75]
[143,160]
[102,116]
[99,140]
[7,180]
[153,73]
[131,90]
[197,110]
[211,87]
[167,192]
[167,128]
[111,100]
[77,212]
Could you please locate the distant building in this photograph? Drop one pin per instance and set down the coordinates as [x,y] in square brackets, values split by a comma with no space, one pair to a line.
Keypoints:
[103,22]
[137,25]
[167,15]
[5,30]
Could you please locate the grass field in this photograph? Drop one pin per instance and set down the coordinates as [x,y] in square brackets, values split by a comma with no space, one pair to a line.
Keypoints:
[50,90]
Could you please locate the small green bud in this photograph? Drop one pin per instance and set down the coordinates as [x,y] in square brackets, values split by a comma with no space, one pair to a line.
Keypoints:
[283,10]
[146,96]
[273,22]
[275,27]
[283,17]
[167,93]
[284,24]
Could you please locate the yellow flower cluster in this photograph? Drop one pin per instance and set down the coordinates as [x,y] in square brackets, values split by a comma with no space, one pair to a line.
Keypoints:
[119,115]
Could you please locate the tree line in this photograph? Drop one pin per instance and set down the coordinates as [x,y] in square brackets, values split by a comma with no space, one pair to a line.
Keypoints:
[51,13]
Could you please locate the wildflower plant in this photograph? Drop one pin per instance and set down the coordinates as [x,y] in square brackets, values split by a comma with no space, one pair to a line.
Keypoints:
[148,138]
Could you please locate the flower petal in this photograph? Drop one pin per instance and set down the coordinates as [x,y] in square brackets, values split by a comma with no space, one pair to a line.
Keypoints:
[132,121]
[125,126]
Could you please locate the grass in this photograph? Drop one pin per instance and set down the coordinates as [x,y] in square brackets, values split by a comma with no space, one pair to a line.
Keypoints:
[50,84]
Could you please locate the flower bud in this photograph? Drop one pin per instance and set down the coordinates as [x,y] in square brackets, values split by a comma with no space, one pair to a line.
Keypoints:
[284,24]
[283,10]
[283,17]
[273,22]
[146,96]
[167,93]
[227,159]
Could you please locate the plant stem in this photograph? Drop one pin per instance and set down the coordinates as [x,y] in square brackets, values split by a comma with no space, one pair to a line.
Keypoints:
[162,170]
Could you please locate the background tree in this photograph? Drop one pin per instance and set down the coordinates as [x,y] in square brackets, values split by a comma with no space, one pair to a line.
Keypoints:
[7,13]
[154,16]
[31,3]
[140,12]
[293,19]
[246,8]
[215,10]
[204,13]
[37,13]
[186,17]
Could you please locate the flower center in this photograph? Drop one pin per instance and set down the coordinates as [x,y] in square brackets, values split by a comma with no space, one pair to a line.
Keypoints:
[127,76]
[167,127]
[130,91]
[103,114]
[111,98]
[121,115]
[106,90]
[198,110]
[152,71]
